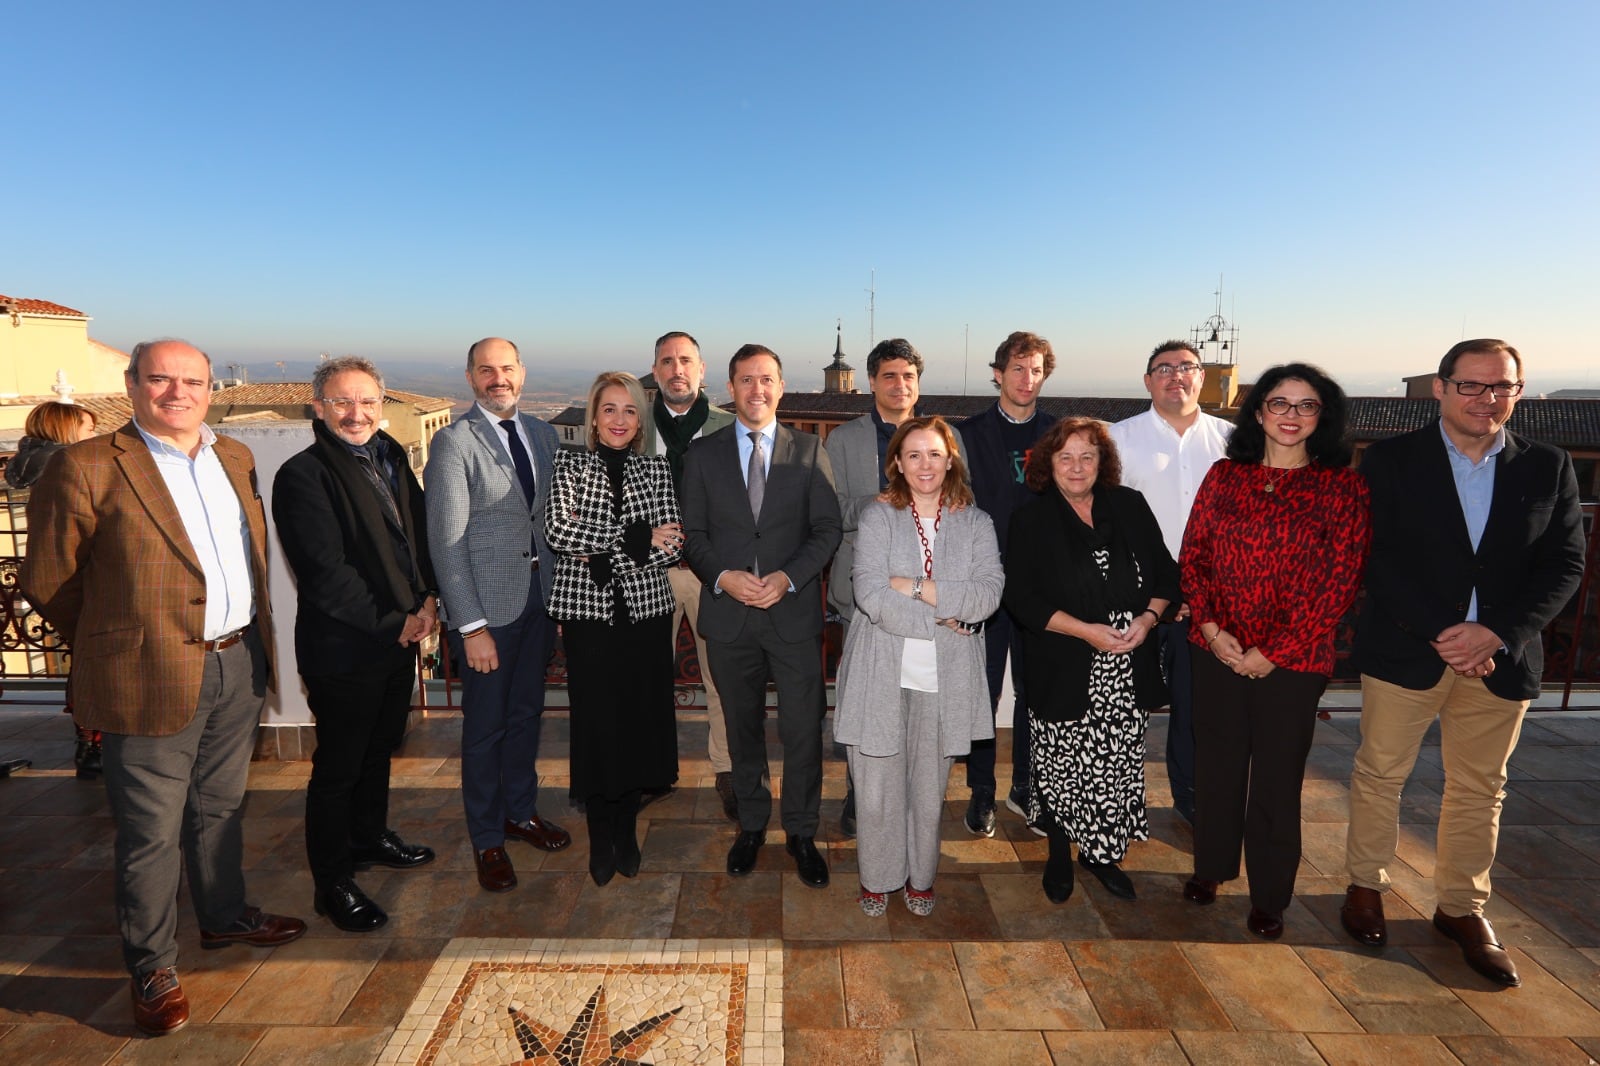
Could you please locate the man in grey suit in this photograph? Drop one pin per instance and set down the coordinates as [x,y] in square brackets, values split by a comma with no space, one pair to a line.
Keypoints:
[488,479]
[681,414]
[760,555]
[858,451]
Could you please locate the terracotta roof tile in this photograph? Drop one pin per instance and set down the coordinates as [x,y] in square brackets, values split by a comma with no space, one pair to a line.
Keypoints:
[22,306]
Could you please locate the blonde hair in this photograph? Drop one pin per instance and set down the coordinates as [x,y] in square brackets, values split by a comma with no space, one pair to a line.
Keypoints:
[57,421]
[591,410]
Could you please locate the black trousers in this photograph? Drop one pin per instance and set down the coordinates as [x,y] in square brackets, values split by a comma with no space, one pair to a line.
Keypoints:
[361,719]
[1001,638]
[1251,742]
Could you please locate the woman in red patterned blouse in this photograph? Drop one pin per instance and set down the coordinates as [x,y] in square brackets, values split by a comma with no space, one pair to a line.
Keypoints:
[1271,560]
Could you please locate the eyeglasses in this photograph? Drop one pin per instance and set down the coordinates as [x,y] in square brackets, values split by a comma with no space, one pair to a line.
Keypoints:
[1305,408]
[344,404]
[1503,389]
[1166,370]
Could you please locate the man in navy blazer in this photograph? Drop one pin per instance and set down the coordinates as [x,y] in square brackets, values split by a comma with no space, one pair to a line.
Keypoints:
[1477,544]
[761,521]
[995,444]
[488,479]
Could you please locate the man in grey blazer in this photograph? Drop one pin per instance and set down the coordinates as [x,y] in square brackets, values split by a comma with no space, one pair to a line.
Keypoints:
[858,450]
[682,414]
[488,478]
[760,554]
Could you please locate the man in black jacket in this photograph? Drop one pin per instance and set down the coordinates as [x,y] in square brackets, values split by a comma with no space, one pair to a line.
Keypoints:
[1477,544]
[350,515]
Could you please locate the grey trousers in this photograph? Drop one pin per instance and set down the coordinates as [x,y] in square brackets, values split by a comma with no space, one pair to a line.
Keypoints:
[899,799]
[185,789]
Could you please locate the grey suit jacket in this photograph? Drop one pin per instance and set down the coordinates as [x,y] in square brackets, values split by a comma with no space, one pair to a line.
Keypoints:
[853,451]
[716,418]
[480,529]
[797,533]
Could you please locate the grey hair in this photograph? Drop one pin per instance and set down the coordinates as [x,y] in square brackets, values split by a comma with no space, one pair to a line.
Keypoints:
[326,370]
[136,356]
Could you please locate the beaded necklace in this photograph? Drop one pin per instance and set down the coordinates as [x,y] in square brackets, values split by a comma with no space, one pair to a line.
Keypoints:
[927,549]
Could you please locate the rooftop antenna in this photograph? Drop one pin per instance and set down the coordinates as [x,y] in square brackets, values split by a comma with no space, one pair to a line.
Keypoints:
[966,346]
[1216,339]
[872,309]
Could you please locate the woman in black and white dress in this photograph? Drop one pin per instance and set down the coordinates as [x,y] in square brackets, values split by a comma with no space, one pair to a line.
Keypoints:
[1088,576]
[613,522]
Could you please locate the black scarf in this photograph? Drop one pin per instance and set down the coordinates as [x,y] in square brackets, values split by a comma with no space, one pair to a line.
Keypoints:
[1120,588]
[677,432]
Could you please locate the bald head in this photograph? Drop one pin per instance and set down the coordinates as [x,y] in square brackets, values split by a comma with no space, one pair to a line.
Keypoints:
[495,372]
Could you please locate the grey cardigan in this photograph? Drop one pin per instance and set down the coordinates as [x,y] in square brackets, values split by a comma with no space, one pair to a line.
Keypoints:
[967,570]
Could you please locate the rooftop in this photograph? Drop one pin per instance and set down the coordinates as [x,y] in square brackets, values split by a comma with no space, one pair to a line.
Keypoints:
[21,305]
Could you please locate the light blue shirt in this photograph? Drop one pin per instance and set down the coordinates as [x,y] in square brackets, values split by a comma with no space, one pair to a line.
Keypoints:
[1475,490]
[214,520]
[768,436]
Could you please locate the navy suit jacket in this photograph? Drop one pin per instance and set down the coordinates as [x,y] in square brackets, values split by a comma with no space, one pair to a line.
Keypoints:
[1423,569]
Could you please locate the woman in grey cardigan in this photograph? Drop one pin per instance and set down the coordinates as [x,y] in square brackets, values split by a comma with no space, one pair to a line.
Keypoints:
[911,691]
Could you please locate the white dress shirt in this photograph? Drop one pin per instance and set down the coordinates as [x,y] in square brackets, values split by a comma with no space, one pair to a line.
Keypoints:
[1168,468]
[505,445]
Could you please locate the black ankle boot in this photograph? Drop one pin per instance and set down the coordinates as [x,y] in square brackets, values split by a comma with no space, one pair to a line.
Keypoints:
[602,856]
[625,834]
[1058,878]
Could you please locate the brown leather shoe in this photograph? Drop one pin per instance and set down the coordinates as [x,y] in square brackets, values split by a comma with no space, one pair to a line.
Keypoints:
[1201,891]
[1264,924]
[159,1005]
[1479,946]
[1362,916]
[546,836]
[257,928]
[495,872]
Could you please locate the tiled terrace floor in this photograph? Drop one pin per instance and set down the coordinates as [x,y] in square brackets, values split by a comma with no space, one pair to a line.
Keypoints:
[995,975]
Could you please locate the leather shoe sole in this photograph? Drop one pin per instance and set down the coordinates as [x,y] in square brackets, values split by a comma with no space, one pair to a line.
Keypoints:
[746,847]
[1264,925]
[1362,916]
[258,929]
[546,836]
[494,871]
[808,861]
[1200,890]
[1479,947]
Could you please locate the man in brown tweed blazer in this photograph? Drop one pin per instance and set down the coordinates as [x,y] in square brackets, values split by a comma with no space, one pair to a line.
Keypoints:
[147,550]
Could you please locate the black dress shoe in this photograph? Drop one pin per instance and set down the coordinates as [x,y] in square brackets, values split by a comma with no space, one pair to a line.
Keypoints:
[349,908]
[1058,891]
[979,818]
[847,815]
[602,865]
[1200,890]
[650,795]
[1110,875]
[1362,916]
[746,846]
[390,851]
[808,861]
[1264,924]
[1479,946]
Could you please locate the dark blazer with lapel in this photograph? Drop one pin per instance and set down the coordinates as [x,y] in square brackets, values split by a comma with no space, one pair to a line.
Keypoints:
[1423,569]
[994,482]
[797,533]
[110,565]
[355,590]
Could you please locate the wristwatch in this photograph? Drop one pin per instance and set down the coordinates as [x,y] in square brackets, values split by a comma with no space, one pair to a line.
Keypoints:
[916,588]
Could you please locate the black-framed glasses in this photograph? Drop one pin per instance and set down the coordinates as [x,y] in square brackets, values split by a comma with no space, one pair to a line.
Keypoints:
[1305,408]
[1166,370]
[1503,389]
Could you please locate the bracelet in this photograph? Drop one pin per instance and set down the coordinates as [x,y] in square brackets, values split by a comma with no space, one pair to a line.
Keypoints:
[1213,640]
[475,632]
[1152,612]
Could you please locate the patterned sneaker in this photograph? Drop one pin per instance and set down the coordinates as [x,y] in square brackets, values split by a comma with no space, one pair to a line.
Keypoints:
[919,901]
[873,904]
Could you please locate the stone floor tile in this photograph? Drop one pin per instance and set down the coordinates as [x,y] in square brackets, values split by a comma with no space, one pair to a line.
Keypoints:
[1572,728]
[1390,992]
[22,790]
[1030,985]
[628,908]
[1139,985]
[42,842]
[833,1047]
[539,906]
[719,905]
[1162,913]
[1578,969]
[62,1043]
[1323,896]
[1565,908]
[1023,912]
[1515,1050]
[1012,1048]
[37,901]
[1121,1048]
[828,913]
[388,990]
[1521,808]
[1248,1047]
[1322,847]
[903,986]
[218,1045]
[71,979]
[1325,800]
[426,902]
[342,1045]
[1542,762]
[74,798]
[1532,851]
[697,847]
[961,912]
[1346,1049]
[1590,1046]
[1267,986]
[965,853]
[311,981]
[813,987]
[17,952]
[1542,1006]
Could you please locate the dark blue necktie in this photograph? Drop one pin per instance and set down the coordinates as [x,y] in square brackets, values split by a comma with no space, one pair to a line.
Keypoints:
[519,459]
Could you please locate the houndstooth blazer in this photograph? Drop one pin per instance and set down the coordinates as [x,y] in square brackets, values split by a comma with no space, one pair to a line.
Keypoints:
[581,521]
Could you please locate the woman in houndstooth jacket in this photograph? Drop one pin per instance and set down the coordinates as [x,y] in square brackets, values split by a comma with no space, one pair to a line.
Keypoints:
[613,522]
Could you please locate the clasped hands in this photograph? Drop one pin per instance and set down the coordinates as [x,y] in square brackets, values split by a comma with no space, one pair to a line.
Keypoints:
[420,623]
[1468,648]
[752,591]
[1114,641]
[1252,664]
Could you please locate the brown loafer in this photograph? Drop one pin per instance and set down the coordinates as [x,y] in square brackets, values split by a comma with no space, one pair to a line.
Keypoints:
[1362,916]
[1201,891]
[159,1005]
[1264,924]
[495,872]
[546,836]
[258,929]
[1479,946]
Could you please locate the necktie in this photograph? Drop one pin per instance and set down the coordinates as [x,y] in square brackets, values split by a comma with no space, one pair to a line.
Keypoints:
[519,459]
[755,479]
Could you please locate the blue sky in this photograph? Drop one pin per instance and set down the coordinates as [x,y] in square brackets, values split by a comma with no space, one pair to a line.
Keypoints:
[1374,181]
